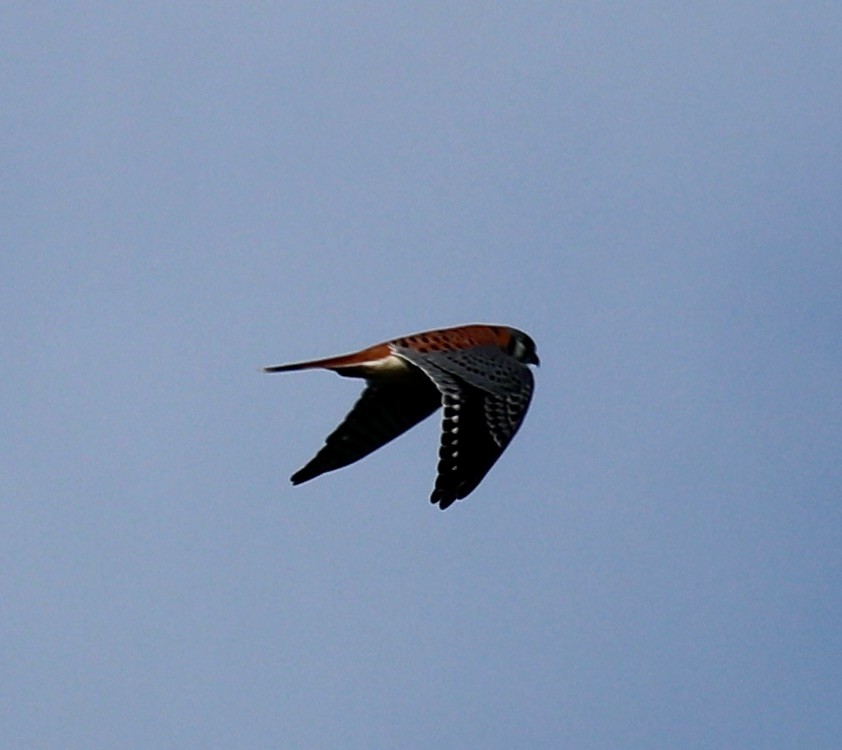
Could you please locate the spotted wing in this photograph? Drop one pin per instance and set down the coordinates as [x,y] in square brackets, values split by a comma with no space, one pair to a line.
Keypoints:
[384,411]
[485,394]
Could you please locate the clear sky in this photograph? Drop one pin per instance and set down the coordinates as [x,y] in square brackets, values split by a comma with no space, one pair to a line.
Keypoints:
[193,190]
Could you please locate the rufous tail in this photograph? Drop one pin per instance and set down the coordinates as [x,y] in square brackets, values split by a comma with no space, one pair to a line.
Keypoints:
[329,364]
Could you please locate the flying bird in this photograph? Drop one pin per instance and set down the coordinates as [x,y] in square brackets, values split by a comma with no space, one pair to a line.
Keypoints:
[478,373]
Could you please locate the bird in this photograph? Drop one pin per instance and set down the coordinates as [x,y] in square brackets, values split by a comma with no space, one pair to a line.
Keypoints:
[478,373]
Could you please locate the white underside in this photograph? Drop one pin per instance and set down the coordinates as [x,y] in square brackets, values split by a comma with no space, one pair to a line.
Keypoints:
[391,365]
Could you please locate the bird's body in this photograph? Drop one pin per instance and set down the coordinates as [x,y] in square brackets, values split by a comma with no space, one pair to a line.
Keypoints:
[478,373]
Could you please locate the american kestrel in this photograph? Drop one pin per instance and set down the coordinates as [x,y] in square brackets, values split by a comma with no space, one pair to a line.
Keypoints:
[478,373]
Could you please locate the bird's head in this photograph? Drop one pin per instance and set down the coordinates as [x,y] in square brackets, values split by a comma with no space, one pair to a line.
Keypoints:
[522,348]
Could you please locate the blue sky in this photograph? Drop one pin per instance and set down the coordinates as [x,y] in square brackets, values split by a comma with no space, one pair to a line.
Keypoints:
[191,191]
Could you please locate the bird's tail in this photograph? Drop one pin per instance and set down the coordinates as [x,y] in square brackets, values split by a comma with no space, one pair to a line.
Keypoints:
[331,363]
[344,364]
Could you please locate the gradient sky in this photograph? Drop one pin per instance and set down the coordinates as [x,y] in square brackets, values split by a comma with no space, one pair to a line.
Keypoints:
[193,190]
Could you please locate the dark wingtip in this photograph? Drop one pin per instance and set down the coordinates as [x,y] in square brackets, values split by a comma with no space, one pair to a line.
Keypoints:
[300,477]
[312,470]
[443,501]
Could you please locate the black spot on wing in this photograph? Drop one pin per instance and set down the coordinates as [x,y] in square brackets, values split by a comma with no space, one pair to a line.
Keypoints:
[467,450]
[487,367]
[505,412]
[384,411]
[476,428]
[485,394]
